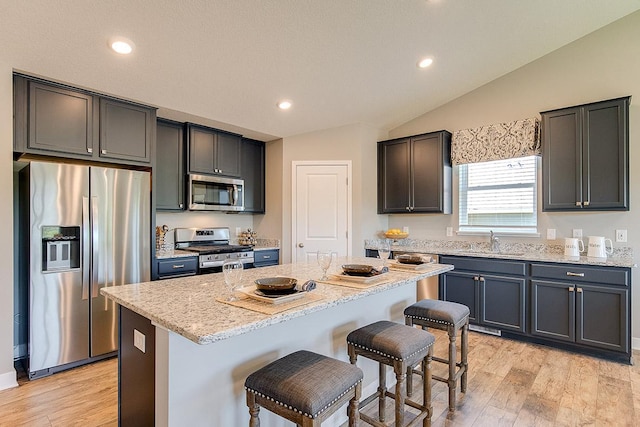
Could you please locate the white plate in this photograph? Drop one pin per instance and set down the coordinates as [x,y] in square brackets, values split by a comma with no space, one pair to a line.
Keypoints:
[359,279]
[249,291]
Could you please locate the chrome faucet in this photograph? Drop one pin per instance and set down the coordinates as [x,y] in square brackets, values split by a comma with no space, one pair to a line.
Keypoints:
[495,242]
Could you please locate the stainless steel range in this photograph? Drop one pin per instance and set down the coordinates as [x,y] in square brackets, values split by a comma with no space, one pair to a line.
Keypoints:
[212,245]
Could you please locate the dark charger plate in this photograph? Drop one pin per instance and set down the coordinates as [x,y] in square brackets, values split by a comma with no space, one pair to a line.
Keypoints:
[275,294]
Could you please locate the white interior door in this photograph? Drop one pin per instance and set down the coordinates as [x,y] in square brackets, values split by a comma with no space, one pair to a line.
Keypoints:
[321,217]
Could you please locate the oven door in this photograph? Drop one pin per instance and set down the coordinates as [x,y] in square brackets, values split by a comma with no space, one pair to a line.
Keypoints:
[213,193]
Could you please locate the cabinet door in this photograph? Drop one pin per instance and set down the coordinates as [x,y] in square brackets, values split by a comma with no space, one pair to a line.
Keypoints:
[602,317]
[553,310]
[462,288]
[169,168]
[428,172]
[201,150]
[60,120]
[393,176]
[503,302]
[605,156]
[227,154]
[126,131]
[561,166]
[252,172]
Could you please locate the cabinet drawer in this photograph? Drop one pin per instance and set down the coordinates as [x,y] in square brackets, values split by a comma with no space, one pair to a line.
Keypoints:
[582,274]
[268,257]
[478,265]
[177,267]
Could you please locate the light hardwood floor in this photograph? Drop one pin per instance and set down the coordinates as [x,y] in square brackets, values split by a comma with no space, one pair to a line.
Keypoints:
[510,384]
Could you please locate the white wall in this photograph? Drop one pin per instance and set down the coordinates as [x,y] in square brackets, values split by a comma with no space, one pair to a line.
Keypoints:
[353,142]
[7,373]
[602,65]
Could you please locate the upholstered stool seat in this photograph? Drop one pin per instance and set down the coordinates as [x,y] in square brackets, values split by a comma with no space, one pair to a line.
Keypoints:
[305,388]
[451,317]
[402,347]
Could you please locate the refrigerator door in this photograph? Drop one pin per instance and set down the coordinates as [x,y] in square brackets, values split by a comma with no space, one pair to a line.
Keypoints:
[58,307]
[121,253]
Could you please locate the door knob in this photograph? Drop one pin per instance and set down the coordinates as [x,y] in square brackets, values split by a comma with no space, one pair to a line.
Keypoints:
[301,245]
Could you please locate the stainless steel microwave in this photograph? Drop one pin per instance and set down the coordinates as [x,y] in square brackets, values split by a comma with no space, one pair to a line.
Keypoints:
[215,193]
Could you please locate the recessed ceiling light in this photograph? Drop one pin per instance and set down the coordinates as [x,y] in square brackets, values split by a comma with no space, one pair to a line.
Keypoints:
[284,105]
[121,45]
[424,63]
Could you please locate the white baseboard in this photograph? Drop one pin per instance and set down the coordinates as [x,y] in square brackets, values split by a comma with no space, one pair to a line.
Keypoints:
[8,380]
[635,343]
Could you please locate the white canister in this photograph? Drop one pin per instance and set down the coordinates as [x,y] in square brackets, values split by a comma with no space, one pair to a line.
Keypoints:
[598,247]
[573,247]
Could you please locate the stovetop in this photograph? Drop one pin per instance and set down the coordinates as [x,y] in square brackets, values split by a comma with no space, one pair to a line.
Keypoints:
[217,249]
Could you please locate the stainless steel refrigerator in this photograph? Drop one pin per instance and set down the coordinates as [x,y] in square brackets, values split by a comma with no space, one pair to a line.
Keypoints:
[89,228]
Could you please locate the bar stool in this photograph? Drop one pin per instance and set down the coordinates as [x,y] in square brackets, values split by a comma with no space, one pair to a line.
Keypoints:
[305,388]
[450,317]
[401,347]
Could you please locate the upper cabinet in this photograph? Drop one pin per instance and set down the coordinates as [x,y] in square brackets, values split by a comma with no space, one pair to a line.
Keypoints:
[252,171]
[585,162]
[213,152]
[59,121]
[169,168]
[414,174]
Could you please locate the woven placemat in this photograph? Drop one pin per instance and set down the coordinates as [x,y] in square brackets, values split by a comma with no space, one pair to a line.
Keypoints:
[352,284]
[268,308]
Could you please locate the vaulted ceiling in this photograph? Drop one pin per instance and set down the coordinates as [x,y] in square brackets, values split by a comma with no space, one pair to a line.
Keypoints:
[228,62]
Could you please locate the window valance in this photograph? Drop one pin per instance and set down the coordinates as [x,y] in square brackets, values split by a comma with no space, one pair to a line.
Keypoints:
[510,140]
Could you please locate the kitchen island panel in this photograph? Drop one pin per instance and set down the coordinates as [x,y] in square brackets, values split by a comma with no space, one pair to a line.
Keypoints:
[203,385]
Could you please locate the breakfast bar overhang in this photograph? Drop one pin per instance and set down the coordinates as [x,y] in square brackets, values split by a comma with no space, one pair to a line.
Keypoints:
[184,355]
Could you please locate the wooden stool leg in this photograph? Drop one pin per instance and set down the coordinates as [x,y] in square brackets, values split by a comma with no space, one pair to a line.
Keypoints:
[382,392]
[452,368]
[426,387]
[463,355]
[401,375]
[409,322]
[254,410]
[354,413]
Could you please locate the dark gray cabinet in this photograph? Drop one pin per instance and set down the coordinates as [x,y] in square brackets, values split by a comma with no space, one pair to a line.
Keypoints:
[168,268]
[56,120]
[252,171]
[585,164]
[264,258]
[586,305]
[494,291]
[169,168]
[414,174]
[213,152]
[126,131]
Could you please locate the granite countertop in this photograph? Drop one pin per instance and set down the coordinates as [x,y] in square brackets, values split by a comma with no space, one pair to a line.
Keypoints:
[622,257]
[188,306]
[177,253]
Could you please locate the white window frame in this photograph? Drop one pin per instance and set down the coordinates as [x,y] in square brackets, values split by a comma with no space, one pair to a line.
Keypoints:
[528,230]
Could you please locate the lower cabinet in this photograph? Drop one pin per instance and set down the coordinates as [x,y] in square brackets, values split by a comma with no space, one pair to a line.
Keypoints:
[169,268]
[494,300]
[264,258]
[582,304]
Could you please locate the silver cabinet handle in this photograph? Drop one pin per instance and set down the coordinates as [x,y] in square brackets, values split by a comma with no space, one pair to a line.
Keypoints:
[579,290]
[578,204]
[301,245]
[181,205]
[89,150]
[481,279]
[176,266]
[569,273]
[586,203]
[571,289]
[267,257]
[104,151]
[408,208]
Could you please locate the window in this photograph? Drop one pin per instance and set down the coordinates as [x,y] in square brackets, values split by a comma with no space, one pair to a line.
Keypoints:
[499,196]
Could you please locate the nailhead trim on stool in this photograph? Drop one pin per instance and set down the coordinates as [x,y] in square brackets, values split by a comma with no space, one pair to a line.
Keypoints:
[448,316]
[303,384]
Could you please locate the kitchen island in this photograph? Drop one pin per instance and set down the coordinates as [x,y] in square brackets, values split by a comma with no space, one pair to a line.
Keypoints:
[198,351]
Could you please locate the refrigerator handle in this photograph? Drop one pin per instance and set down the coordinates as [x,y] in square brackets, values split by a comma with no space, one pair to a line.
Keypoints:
[95,238]
[86,255]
